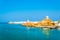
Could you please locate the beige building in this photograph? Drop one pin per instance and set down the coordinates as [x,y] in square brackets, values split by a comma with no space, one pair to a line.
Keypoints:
[47,22]
[44,23]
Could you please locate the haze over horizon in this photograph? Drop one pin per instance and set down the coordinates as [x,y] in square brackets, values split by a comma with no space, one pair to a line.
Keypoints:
[34,10]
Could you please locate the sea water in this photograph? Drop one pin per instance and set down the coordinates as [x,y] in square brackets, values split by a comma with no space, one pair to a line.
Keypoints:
[19,32]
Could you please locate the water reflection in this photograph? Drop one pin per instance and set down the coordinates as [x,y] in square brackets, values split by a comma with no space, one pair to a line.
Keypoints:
[46,31]
[39,31]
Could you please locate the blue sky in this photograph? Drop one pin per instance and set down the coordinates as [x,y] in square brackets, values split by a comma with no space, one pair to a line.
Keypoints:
[20,10]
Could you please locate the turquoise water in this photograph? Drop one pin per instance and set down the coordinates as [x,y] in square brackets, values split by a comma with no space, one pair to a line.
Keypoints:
[19,32]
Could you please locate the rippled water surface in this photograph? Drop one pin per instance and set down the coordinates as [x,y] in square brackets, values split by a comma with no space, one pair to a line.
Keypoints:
[19,32]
